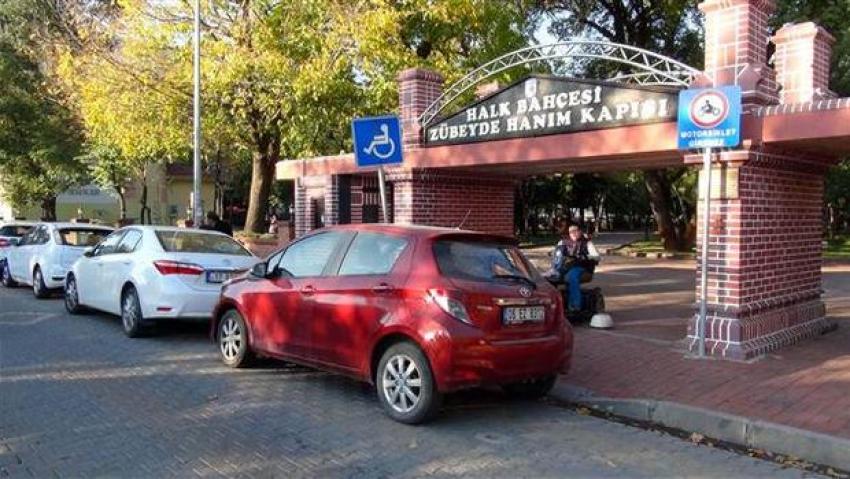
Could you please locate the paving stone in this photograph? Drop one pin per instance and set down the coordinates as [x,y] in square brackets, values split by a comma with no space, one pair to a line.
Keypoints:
[78,399]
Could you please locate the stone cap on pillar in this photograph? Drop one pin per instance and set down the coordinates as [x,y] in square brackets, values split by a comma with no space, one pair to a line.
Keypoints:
[766,6]
[418,73]
[792,31]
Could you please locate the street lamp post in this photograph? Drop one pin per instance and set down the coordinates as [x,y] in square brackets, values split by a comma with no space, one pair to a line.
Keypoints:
[197,212]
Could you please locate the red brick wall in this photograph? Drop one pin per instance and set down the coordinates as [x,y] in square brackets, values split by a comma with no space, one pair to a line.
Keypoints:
[444,199]
[365,192]
[764,278]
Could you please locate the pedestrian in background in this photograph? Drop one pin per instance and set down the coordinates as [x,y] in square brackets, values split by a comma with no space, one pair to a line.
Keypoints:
[214,223]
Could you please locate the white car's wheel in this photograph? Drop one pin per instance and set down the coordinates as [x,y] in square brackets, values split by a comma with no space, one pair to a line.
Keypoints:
[39,289]
[6,275]
[72,296]
[131,314]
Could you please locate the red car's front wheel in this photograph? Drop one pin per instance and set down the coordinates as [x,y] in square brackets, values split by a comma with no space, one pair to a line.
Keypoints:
[233,340]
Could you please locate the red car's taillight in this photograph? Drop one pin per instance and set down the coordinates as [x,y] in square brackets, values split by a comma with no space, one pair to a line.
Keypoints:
[166,268]
[450,305]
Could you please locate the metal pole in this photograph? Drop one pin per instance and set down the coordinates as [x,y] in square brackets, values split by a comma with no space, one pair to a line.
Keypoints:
[197,212]
[383,189]
[706,223]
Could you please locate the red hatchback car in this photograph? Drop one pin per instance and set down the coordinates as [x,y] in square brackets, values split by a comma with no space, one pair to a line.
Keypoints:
[417,311]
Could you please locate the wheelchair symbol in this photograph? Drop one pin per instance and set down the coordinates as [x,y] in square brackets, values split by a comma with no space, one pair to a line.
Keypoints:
[381,140]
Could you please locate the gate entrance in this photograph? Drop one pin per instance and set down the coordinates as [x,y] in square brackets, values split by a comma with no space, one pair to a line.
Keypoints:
[764,279]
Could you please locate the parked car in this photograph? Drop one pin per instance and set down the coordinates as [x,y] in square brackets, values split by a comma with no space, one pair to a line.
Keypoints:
[151,273]
[43,255]
[10,233]
[416,311]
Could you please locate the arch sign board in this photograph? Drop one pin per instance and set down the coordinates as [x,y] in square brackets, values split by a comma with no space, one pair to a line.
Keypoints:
[710,118]
[545,105]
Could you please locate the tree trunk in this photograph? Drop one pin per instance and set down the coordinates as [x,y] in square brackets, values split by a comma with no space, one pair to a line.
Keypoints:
[143,201]
[122,204]
[262,176]
[672,232]
[48,208]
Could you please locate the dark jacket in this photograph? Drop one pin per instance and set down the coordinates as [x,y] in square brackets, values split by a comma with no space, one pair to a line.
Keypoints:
[220,226]
[571,253]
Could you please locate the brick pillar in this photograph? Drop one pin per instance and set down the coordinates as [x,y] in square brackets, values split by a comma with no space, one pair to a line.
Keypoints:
[303,209]
[802,60]
[331,195]
[436,198]
[417,89]
[308,191]
[736,38]
[764,278]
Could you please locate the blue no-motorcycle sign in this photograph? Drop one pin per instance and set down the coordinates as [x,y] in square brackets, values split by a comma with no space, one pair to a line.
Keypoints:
[710,118]
[377,141]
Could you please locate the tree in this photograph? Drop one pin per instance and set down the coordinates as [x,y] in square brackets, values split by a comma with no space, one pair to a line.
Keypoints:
[39,139]
[109,170]
[280,79]
[667,27]
[40,135]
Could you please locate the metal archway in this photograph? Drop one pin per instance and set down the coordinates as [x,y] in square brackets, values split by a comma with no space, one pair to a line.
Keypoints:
[653,69]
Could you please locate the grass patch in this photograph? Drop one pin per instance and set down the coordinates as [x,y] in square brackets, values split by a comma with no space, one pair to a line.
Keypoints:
[652,245]
[533,241]
[838,248]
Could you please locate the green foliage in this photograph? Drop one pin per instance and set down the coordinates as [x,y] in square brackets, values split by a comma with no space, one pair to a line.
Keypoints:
[669,27]
[838,248]
[38,136]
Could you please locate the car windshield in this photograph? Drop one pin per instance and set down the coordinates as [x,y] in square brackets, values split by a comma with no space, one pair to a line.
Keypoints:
[14,231]
[199,242]
[82,236]
[480,261]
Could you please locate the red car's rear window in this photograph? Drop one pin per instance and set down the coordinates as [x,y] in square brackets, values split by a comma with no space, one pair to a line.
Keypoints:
[481,261]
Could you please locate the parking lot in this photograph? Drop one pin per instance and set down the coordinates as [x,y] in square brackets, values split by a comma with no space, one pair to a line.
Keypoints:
[79,399]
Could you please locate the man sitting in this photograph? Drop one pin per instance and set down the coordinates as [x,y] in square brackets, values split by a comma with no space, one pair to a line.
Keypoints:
[574,255]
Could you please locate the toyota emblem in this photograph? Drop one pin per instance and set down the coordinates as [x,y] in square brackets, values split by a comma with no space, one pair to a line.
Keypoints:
[525,292]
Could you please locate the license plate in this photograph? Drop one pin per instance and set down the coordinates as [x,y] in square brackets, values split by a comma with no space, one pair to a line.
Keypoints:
[218,276]
[531,314]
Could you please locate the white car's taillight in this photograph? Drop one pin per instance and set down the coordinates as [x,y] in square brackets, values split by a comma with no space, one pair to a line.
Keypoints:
[4,243]
[166,268]
[453,307]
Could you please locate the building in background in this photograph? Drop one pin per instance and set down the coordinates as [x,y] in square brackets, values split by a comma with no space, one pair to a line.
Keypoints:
[169,190]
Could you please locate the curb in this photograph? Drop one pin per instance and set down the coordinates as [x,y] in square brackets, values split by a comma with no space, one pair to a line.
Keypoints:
[623,251]
[757,434]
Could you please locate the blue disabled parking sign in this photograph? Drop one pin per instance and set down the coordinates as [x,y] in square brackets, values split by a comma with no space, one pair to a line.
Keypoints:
[377,141]
[710,118]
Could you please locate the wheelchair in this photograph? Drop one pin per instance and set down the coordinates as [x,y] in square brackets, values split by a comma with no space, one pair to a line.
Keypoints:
[592,299]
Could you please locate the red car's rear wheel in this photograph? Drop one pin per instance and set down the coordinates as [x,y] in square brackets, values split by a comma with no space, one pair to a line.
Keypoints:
[406,386]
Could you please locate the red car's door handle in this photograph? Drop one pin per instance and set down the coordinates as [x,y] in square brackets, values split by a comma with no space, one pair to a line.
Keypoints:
[308,290]
[382,288]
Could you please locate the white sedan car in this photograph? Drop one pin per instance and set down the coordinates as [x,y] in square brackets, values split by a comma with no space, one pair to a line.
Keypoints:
[148,273]
[43,256]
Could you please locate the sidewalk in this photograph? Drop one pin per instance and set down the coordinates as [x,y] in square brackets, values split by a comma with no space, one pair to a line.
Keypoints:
[806,386]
